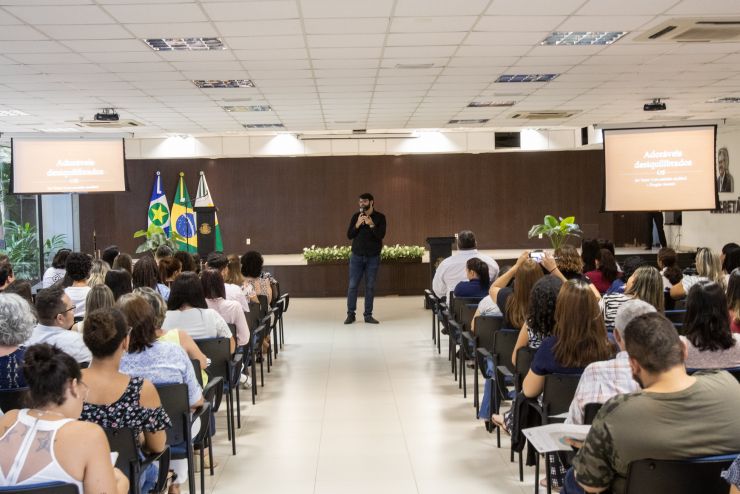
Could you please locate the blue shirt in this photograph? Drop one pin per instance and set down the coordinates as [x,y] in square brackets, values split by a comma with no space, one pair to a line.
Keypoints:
[470,288]
[11,370]
[544,361]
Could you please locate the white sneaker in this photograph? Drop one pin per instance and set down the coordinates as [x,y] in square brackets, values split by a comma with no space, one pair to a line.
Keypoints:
[245,381]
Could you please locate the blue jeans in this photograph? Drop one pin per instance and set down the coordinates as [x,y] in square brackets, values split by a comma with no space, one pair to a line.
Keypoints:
[359,265]
[571,485]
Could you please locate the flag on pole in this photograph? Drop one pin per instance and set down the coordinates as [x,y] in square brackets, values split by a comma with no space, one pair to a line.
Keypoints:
[159,211]
[203,199]
[183,218]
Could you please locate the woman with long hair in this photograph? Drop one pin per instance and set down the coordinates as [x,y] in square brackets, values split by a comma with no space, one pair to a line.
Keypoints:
[169,269]
[478,280]
[215,292]
[234,271]
[56,272]
[119,281]
[99,297]
[606,271]
[514,302]
[706,328]
[645,284]
[708,268]
[146,274]
[540,323]
[733,300]
[97,272]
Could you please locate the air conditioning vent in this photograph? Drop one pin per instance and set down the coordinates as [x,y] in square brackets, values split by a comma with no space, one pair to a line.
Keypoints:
[103,124]
[693,30]
[543,115]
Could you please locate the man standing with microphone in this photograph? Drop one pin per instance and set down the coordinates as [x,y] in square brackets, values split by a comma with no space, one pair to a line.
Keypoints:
[366,230]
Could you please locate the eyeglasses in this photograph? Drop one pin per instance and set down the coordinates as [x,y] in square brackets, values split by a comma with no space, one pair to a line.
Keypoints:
[68,309]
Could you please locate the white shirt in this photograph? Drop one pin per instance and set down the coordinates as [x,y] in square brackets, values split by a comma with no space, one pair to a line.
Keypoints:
[234,292]
[487,307]
[198,323]
[451,271]
[78,294]
[51,276]
[68,341]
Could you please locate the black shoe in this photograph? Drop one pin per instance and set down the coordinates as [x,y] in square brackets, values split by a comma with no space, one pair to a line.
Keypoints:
[371,320]
[350,319]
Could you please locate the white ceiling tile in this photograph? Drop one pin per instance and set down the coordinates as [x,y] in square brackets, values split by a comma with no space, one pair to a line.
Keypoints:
[333,53]
[204,66]
[346,26]
[701,7]
[493,61]
[563,51]
[419,51]
[313,9]
[195,56]
[264,42]
[15,33]
[432,24]
[110,45]
[604,23]
[244,11]
[47,58]
[533,7]
[346,63]
[122,57]
[173,30]
[138,67]
[492,51]
[411,8]
[68,14]
[424,39]
[519,23]
[506,38]
[9,47]
[150,13]
[259,28]
[344,40]
[633,7]
[271,54]
[279,64]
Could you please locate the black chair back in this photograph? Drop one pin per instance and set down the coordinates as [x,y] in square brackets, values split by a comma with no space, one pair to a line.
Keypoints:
[485,328]
[679,477]
[524,357]
[232,327]
[590,411]
[264,305]
[557,395]
[676,316]
[466,315]
[253,316]
[175,401]
[198,373]
[459,302]
[735,371]
[43,488]
[218,351]
[12,399]
[123,442]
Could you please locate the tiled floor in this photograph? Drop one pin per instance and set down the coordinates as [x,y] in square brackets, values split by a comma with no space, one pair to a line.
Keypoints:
[362,409]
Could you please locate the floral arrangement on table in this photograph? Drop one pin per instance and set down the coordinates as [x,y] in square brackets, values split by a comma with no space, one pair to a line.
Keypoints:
[340,254]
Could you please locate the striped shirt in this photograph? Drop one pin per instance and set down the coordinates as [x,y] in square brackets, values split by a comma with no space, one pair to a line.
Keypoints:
[609,305]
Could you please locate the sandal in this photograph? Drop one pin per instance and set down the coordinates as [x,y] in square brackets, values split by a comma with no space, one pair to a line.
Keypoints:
[498,421]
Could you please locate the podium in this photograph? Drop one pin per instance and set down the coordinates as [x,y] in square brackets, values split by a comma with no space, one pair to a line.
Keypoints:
[440,248]
[206,229]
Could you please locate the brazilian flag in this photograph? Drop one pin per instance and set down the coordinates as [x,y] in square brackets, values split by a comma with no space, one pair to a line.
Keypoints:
[183,218]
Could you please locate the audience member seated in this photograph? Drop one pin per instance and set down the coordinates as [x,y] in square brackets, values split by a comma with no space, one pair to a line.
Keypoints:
[148,357]
[109,255]
[78,270]
[21,288]
[124,262]
[16,324]
[710,343]
[169,269]
[230,310]
[187,261]
[579,339]
[55,309]
[675,416]
[732,476]
[629,266]
[730,263]
[605,273]
[667,260]
[116,400]
[146,274]
[540,323]
[188,310]
[162,252]
[234,271]
[514,301]
[119,282]
[733,300]
[98,270]
[175,336]
[220,263]
[589,253]
[708,268]
[56,272]
[254,283]
[569,262]
[723,255]
[478,282]
[644,284]
[99,297]
[451,270]
[56,394]
[604,379]
[6,274]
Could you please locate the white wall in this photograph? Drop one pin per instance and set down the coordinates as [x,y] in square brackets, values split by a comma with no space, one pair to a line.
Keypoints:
[703,229]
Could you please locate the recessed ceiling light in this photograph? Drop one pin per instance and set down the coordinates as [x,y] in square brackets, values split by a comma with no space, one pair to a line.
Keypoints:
[489,104]
[185,44]
[247,108]
[467,121]
[526,77]
[264,126]
[725,99]
[13,113]
[228,84]
[582,38]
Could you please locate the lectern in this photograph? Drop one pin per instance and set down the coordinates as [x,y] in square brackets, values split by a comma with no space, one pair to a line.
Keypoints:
[206,219]
[439,249]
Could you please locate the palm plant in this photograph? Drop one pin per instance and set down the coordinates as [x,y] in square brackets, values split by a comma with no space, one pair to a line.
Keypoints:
[155,236]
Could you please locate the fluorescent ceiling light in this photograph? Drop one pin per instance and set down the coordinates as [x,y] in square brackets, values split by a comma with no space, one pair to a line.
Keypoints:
[227,84]
[13,113]
[185,44]
[488,104]
[264,126]
[582,38]
[467,121]
[526,77]
[234,109]
[725,99]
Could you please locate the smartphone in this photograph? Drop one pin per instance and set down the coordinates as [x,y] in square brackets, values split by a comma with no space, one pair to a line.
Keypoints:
[537,255]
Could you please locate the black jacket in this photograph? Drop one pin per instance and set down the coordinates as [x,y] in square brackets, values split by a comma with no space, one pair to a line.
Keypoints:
[367,241]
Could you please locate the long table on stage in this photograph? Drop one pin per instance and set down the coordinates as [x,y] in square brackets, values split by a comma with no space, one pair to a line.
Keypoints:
[395,278]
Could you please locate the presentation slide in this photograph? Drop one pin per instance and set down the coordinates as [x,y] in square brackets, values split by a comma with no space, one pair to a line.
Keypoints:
[659,169]
[57,166]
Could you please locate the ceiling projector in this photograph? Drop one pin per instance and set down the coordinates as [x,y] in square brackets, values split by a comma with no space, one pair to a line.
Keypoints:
[107,115]
[656,105]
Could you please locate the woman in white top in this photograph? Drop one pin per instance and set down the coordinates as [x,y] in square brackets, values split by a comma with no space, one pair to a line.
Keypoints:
[42,444]
[56,272]
[231,310]
[187,310]
[708,268]
[78,269]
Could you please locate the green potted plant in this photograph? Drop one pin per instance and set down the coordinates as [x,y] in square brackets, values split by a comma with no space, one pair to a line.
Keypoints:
[557,229]
[22,248]
[155,236]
